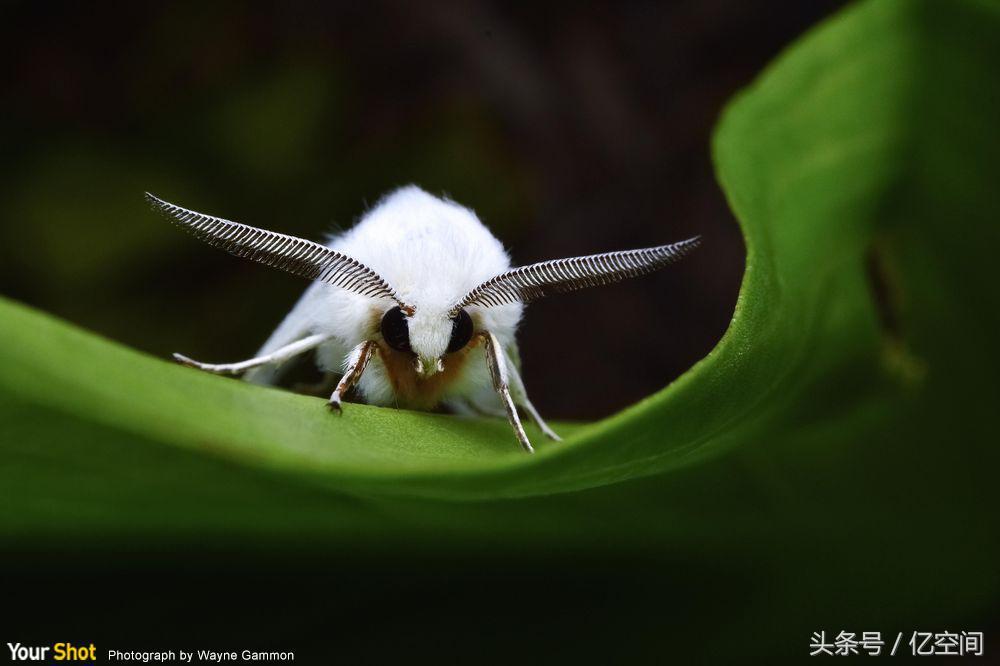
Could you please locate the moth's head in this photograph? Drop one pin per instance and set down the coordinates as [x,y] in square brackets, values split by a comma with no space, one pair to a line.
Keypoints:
[429,334]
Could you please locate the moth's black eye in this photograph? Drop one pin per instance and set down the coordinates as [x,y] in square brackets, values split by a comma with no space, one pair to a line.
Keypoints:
[395,331]
[461,331]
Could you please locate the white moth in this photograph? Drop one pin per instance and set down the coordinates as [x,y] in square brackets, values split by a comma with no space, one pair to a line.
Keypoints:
[416,306]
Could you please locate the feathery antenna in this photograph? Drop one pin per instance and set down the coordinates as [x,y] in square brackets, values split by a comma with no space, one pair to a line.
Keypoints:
[529,283]
[298,256]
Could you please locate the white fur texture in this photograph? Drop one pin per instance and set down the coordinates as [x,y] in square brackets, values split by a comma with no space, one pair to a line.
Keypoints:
[432,252]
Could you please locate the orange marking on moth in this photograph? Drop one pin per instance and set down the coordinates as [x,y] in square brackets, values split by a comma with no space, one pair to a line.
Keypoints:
[413,391]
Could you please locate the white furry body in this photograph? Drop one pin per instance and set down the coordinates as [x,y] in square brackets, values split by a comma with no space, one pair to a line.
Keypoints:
[433,252]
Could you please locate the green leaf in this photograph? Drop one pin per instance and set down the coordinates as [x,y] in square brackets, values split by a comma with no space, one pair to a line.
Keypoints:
[832,460]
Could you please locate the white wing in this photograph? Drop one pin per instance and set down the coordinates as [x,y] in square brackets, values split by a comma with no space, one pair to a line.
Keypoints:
[297,324]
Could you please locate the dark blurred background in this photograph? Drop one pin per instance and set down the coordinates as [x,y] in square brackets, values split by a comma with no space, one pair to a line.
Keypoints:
[570,128]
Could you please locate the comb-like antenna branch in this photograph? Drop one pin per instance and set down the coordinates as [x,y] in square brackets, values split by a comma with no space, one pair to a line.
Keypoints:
[296,255]
[534,281]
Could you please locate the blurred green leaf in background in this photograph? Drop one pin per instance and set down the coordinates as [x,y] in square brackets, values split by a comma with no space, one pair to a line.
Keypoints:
[831,464]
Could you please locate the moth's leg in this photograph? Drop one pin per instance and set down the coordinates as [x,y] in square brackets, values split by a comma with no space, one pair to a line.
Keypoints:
[501,383]
[521,400]
[277,356]
[357,361]
[539,421]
